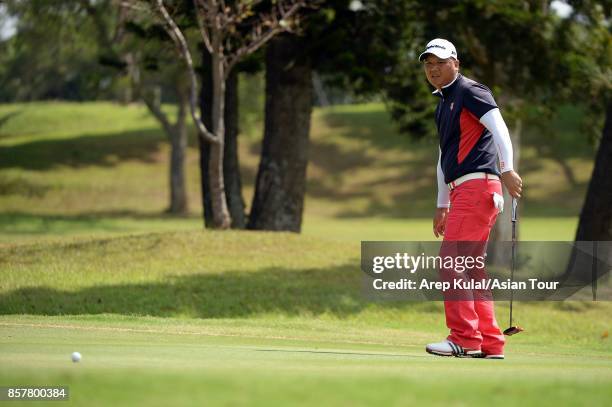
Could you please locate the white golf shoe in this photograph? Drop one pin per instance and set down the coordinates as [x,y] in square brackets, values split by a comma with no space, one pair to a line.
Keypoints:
[448,348]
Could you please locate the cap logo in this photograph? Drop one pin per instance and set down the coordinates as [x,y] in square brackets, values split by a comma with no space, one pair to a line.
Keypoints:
[439,46]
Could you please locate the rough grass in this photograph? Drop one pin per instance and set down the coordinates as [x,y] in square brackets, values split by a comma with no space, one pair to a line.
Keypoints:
[240,275]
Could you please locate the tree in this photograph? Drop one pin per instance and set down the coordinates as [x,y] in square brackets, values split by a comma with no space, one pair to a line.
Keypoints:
[596,215]
[354,50]
[218,28]
[231,166]
[177,135]
[149,63]
[231,169]
[281,179]
[591,254]
[52,54]
[588,71]
[138,50]
[85,50]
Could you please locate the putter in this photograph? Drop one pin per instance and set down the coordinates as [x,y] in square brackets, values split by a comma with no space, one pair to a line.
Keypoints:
[512,330]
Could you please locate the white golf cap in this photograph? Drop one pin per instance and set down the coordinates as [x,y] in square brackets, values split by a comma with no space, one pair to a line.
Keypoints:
[441,48]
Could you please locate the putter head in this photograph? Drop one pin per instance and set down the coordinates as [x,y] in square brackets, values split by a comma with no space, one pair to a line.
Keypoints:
[513,330]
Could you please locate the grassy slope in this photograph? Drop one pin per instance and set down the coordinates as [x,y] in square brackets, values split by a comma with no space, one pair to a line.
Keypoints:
[239,317]
[83,169]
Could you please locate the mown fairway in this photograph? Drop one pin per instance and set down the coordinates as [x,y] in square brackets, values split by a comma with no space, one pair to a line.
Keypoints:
[165,313]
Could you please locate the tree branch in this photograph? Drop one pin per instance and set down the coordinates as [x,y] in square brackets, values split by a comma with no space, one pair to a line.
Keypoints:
[120,26]
[161,117]
[177,36]
[259,38]
[203,32]
[134,5]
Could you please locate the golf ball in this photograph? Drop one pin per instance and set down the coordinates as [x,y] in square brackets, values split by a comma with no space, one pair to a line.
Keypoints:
[76,357]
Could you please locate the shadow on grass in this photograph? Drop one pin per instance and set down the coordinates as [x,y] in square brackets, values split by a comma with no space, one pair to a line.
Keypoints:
[407,191]
[20,223]
[21,186]
[374,126]
[233,294]
[101,150]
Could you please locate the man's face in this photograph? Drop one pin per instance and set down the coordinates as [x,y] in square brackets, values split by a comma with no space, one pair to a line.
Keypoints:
[440,72]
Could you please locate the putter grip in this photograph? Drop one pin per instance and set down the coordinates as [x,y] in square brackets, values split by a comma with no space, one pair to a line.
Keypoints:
[514,211]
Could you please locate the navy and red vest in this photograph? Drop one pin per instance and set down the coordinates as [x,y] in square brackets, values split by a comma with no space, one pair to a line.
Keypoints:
[466,145]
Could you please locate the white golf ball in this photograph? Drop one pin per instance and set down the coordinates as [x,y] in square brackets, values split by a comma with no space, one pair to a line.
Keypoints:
[76,357]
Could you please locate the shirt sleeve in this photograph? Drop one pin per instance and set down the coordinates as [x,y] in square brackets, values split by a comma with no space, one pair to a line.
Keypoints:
[494,122]
[478,100]
[443,192]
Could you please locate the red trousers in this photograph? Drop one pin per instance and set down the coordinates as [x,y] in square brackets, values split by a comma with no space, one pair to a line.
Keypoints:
[472,214]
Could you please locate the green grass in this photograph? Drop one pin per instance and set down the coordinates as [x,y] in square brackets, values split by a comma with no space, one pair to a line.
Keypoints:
[165,313]
[18,228]
[258,318]
[420,229]
[44,121]
[263,362]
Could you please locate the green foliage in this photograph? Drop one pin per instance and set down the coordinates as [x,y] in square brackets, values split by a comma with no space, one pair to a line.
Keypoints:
[53,54]
[79,50]
[583,71]
[522,50]
[409,99]
[356,49]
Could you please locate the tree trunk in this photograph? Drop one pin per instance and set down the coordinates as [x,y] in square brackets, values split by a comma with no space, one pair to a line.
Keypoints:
[231,167]
[592,255]
[204,148]
[178,148]
[221,216]
[177,136]
[281,179]
[596,215]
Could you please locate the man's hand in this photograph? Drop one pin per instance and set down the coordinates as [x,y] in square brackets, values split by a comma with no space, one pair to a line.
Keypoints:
[439,221]
[513,183]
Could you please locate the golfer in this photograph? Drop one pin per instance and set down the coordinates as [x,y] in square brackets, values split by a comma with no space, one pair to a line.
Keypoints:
[475,152]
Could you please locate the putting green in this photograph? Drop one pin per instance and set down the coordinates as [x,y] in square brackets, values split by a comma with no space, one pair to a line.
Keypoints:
[157,361]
